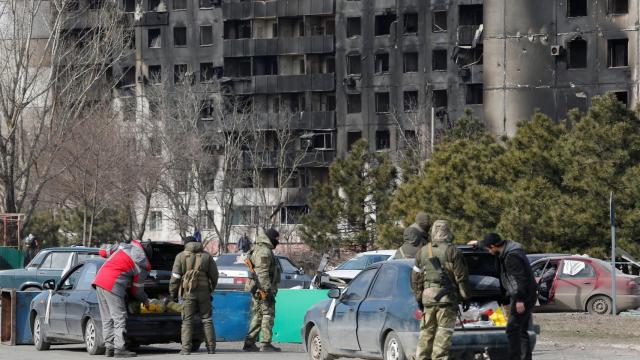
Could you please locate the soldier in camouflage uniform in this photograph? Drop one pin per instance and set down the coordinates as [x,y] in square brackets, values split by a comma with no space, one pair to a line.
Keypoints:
[415,236]
[438,321]
[268,276]
[194,277]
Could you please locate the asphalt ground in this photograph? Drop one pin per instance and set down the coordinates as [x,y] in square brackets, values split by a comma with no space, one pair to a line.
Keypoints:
[544,351]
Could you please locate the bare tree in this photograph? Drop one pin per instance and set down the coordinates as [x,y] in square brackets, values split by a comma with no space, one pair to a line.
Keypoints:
[413,123]
[54,61]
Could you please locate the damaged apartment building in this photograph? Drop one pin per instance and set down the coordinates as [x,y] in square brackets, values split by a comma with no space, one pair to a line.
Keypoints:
[356,69]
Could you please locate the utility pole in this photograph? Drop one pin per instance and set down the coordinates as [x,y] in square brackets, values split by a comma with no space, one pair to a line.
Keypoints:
[433,128]
[612,217]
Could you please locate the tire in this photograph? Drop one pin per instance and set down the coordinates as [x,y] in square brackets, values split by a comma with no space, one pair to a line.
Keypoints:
[393,348]
[92,341]
[32,288]
[316,348]
[195,345]
[599,305]
[39,336]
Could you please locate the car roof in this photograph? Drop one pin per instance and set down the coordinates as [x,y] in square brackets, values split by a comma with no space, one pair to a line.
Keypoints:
[377,252]
[73,249]
[566,257]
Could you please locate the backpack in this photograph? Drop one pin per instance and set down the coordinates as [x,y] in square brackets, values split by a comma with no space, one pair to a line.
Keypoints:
[190,277]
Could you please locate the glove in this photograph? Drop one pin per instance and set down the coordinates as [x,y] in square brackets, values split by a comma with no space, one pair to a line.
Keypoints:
[466,305]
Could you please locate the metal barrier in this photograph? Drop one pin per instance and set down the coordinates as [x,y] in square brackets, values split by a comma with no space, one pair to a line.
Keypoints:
[14,316]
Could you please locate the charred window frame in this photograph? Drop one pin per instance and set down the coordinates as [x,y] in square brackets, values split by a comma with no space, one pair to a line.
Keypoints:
[128,6]
[381,63]
[128,78]
[179,73]
[206,35]
[440,98]
[354,27]
[471,14]
[354,64]
[237,29]
[207,72]
[410,62]
[577,53]
[179,36]
[207,110]
[576,8]
[618,7]
[383,140]
[354,103]
[383,24]
[382,102]
[155,74]
[617,53]
[352,138]
[154,38]
[410,100]
[473,94]
[208,4]
[179,4]
[439,21]
[439,60]
[156,6]
[623,97]
[410,22]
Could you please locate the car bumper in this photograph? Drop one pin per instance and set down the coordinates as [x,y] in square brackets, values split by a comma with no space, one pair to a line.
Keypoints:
[627,302]
[466,341]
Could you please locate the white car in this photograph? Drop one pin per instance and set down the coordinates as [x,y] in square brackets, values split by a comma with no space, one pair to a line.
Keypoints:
[352,267]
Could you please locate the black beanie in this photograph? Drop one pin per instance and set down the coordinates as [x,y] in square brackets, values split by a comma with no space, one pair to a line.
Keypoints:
[491,239]
[189,239]
[273,235]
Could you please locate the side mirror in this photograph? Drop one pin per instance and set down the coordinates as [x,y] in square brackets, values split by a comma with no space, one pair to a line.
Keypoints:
[334,294]
[49,284]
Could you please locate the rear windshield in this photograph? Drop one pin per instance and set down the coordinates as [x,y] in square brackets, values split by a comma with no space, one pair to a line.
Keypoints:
[481,263]
[362,261]
[230,260]
[164,254]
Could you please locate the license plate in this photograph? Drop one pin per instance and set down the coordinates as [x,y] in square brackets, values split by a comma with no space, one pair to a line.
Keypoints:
[225,281]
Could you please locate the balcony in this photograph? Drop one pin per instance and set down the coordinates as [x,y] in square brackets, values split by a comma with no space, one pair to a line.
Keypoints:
[279,46]
[307,120]
[275,8]
[313,158]
[154,19]
[273,84]
[467,33]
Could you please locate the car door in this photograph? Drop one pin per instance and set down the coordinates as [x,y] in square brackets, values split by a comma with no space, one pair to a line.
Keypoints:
[575,280]
[52,266]
[58,312]
[373,311]
[77,304]
[290,276]
[344,325]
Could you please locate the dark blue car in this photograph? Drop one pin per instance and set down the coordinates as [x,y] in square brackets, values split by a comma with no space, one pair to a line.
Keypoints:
[375,317]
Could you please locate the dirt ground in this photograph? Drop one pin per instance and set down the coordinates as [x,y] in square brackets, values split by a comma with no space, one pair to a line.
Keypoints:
[576,328]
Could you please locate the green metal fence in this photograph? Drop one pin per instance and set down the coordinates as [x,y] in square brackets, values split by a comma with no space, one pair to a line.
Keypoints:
[11,258]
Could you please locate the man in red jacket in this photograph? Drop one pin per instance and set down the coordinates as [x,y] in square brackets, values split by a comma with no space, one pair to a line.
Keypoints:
[127,267]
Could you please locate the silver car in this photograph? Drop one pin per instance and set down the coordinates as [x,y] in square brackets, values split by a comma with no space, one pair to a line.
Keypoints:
[234,273]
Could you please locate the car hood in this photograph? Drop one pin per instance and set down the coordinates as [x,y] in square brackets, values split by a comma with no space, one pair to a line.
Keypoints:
[343,274]
[11,272]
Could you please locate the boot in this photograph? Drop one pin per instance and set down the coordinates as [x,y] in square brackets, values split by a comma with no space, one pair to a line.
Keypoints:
[185,352]
[268,347]
[108,352]
[124,354]
[250,346]
[211,350]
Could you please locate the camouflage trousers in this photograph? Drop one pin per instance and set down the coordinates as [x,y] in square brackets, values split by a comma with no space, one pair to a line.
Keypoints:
[264,312]
[436,331]
[197,303]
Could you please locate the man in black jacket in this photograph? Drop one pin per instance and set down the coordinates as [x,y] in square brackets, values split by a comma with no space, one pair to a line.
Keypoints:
[517,279]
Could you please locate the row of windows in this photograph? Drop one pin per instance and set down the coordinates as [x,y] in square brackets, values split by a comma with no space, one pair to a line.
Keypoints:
[161,5]
[578,8]
[154,36]
[208,72]
[383,24]
[473,96]
[410,62]
[617,53]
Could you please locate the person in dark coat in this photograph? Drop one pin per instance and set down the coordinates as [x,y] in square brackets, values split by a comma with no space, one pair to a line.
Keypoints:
[517,279]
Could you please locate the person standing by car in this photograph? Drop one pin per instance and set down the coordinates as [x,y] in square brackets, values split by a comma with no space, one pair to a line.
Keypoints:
[30,248]
[127,266]
[440,280]
[415,236]
[517,279]
[194,278]
[264,288]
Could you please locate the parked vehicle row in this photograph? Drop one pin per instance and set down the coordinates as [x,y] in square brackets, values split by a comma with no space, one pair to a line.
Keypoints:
[234,273]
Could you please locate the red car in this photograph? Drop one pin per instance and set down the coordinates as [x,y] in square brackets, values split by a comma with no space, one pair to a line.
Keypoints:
[580,283]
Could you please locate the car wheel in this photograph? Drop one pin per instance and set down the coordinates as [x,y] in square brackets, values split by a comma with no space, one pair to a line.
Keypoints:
[195,345]
[599,305]
[316,347]
[39,336]
[393,348]
[32,288]
[91,339]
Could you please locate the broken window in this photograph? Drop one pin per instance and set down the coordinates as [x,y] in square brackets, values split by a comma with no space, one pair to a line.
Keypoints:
[471,14]
[439,60]
[95,4]
[154,38]
[208,4]
[292,215]
[617,52]
[179,73]
[156,6]
[74,5]
[179,4]
[618,7]
[323,101]
[130,38]
[129,6]
[439,21]
[323,141]
[623,97]
[473,94]
[383,24]
[440,98]
[576,8]
[381,63]
[410,23]
[207,72]
[410,61]
[265,65]
[354,103]
[352,137]
[237,29]
[155,74]
[577,54]
[383,140]
[353,27]
[206,35]
[207,110]
[354,64]
[237,67]
[410,100]
[128,78]
[179,36]
[382,102]
[291,27]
